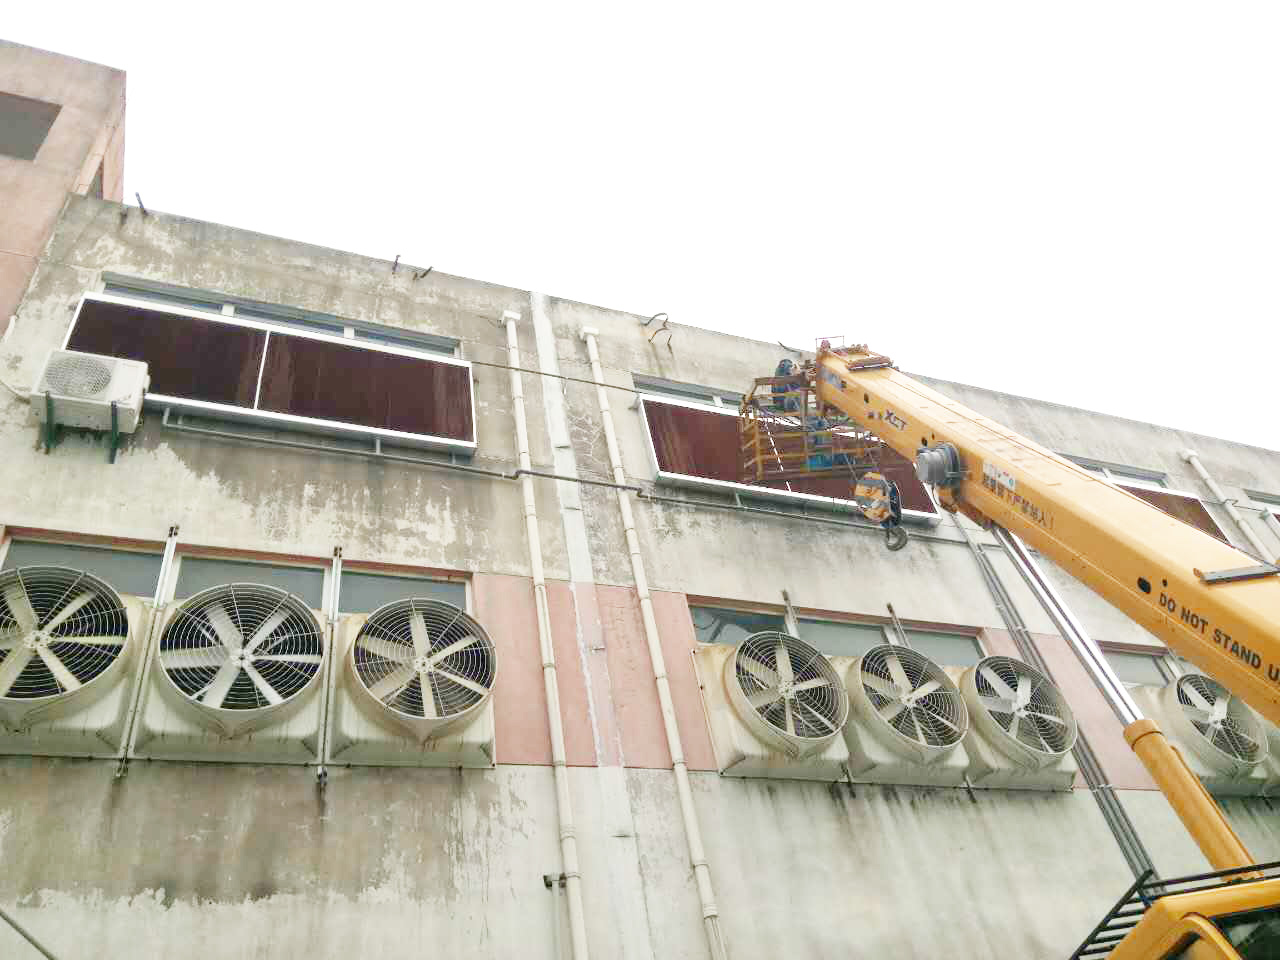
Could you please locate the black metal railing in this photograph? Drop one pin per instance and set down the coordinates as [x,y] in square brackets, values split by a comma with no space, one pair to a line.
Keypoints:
[1149,888]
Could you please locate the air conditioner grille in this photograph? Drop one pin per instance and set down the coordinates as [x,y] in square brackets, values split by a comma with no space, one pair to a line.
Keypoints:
[791,686]
[1026,705]
[912,694]
[424,659]
[242,646]
[1222,719]
[59,629]
[78,376]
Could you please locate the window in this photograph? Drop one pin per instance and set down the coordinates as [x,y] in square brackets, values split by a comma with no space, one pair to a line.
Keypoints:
[700,447]
[127,571]
[946,649]
[277,314]
[366,592]
[200,573]
[1138,669]
[95,185]
[211,364]
[688,392]
[1123,476]
[717,625]
[1153,487]
[24,124]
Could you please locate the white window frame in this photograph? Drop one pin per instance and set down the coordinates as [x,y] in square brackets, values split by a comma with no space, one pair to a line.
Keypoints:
[184,551]
[291,421]
[1166,663]
[408,573]
[689,481]
[53,539]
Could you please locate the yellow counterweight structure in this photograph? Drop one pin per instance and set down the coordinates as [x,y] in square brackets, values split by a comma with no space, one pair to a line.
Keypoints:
[1211,603]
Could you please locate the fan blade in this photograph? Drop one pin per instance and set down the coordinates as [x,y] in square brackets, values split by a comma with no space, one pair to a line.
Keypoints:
[288,658]
[880,685]
[915,733]
[1047,716]
[66,679]
[12,667]
[69,611]
[390,685]
[452,648]
[264,688]
[924,690]
[1220,709]
[783,657]
[461,680]
[766,675]
[1196,714]
[831,727]
[228,633]
[890,710]
[790,720]
[106,640]
[216,692]
[385,649]
[421,639]
[428,695]
[997,704]
[1001,688]
[1196,697]
[1015,722]
[763,698]
[9,636]
[899,675]
[189,659]
[939,718]
[277,617]
[811,684]
[1025,689]
[15,594]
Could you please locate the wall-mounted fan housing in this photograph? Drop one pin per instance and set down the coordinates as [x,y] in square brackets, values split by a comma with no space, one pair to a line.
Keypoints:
[67,647]
[1223,741]
[236,673]
[1022,729]
[908,720]
[83,386]
[415,689]
[775,707]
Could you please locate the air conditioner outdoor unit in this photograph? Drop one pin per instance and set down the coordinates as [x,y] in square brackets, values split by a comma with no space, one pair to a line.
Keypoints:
[83,387]
[1222,740]
[236,674]
[68,643]
[414,688]
[775,707]
[907,722]
[1022,730]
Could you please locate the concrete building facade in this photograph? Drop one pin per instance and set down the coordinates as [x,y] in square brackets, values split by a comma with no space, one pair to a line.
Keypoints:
[597,588]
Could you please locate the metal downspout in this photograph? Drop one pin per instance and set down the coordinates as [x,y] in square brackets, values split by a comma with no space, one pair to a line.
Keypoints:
[688,813]
[1193,458]
[564,802]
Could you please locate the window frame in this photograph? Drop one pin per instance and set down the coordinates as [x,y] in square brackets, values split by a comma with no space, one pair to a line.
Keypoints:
[183,551]
[1165,662]
[376,568]
[663,390]
[61,538]
[691,482]
[289,421]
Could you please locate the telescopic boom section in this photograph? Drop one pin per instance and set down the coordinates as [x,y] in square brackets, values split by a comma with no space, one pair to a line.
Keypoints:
[1211,603]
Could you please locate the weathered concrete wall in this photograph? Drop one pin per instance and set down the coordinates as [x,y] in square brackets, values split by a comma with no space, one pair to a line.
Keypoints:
[250,861]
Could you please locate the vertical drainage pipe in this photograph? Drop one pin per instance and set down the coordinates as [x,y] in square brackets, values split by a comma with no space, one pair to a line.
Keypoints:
[564,802]
[688,813]
[1194,459]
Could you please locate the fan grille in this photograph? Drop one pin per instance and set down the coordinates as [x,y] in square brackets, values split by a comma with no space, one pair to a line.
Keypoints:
[1223,720]
[1026,705]
[913,696]
[59,629]
[791,686]
[78,376]
[242,646]
[424,659]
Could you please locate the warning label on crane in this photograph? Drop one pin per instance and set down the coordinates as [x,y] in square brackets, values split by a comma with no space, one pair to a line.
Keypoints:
[999,477]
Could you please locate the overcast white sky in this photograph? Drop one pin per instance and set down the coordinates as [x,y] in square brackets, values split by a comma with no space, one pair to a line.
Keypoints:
[1078,202]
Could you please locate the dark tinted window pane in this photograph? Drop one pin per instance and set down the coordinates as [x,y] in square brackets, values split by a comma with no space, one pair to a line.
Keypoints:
[24,123]
[366,592]
[126,571]
[200,573]
[1136,668]
[715,625]
[1187,509]
[188,357]
[347,384]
